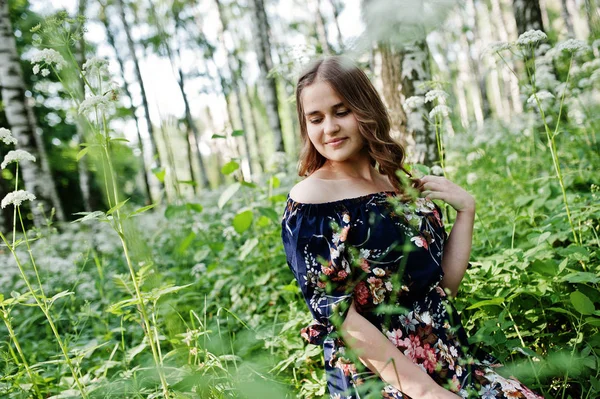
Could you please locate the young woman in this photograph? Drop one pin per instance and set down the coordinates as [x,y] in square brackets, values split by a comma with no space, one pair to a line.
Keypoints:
[375,266]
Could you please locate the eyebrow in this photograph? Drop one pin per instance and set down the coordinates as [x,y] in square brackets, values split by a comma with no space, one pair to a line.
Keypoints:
[338,105]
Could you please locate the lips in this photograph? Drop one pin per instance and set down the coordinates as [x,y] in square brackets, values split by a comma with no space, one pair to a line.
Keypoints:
[336,140]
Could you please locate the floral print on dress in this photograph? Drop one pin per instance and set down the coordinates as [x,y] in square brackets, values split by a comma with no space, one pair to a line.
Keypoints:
[384,255]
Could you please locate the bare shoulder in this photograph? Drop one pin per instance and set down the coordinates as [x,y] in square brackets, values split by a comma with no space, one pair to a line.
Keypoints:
[311,190]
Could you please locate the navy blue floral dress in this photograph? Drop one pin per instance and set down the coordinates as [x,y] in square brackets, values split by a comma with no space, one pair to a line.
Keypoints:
[384,254]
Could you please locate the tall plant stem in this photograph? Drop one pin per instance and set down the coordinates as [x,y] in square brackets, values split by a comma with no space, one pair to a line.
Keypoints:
[13,337]
[552,143]
[44,307]
[120,230]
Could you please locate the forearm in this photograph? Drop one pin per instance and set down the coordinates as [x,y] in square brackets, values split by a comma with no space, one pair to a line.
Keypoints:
[457,250]
[381,356]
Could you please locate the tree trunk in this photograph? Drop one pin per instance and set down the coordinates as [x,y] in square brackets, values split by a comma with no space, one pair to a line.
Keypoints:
[592,12]
[403,68]
[138,73]
[234,73]
[84,174]
[260,28]
[528,15]
[36,175]
[474,47]
[506,26]
[111,41]
[337,9]
[259,153]
[321,27]
[566,15]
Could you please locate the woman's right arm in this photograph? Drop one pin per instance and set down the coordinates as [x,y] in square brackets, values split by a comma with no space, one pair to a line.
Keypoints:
[379,354]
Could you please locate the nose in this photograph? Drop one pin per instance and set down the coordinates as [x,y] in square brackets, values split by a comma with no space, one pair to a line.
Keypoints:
[330,126]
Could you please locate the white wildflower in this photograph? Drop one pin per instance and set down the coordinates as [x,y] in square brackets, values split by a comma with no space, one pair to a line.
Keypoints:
[474,156]
[49,57]
[6,136]
[96,66]
[379,272]
[542,95]
[590,66]
[584,83]
[439,110]
[435,94]
[573,46]
[414,102]
[100,103]
[595,76]
[16,156]
[437,170]
[512,157]
[45,72]
[531,37]
[36,69]
[496,47]
[471,178]
[16,198]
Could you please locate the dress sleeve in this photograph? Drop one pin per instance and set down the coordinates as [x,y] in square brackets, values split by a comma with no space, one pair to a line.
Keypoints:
[315,242]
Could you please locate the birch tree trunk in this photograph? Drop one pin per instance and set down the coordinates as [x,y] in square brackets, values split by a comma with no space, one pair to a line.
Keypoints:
[111,41]
[528,15]
[260,28]
[321,26]
[19,114]
[84,174]
[138,73]
[234,74]
[337,9]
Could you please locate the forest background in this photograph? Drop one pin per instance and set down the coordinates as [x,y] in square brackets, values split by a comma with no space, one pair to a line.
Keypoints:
[150,264]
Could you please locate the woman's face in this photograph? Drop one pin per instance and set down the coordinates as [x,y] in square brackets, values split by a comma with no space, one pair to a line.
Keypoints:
[332,128]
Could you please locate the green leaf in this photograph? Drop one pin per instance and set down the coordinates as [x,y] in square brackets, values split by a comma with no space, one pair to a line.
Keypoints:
[188,182]
[248,184]
[487,302]
[218,136]
[230,167]
[194,207]
[82,153]
[142,209]
[562,265]
[160,174]
[248,246]
[60,295]
[582,303]
[242,221]
[116,207]
[581,277]
[237,133]
[274,182]
[89,216]
[227,194]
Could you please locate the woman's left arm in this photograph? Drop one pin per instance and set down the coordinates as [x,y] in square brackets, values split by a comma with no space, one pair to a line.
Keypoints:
[457,248]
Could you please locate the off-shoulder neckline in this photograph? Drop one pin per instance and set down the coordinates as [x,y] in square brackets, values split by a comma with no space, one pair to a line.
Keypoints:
[352,200]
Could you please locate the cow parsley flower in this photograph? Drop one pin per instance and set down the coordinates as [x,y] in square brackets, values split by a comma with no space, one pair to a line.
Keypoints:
[96,66]
[496,47]
[531,37]
[414,102]
[6,136]
[437,170]
[16,198]
[16,156]
[439,110]
[48,57]
[45,72]
[542,95]
[436,94]
[573,46]
[100,103]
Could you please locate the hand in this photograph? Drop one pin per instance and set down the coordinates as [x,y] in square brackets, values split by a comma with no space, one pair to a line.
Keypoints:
[436,187]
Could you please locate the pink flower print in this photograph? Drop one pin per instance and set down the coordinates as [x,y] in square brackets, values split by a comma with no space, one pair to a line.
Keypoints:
[321,284]
[429,358]
[361,293]
[436,214]
[395,336]
[454,384]
[440,291]
[420,242]
[342,274]
[328,270]
[346,367]
[344,234]
[364,265]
